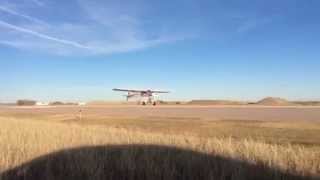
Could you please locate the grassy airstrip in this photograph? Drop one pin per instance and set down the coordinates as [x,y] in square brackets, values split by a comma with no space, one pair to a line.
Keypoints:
[52,144]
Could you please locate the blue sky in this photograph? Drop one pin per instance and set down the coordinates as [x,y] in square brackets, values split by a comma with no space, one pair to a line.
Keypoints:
[78,50]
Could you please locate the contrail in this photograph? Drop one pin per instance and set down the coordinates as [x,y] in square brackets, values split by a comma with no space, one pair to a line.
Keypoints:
[44,36]
[15,13]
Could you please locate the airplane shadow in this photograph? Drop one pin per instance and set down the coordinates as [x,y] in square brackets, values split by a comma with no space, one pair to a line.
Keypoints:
[141,162]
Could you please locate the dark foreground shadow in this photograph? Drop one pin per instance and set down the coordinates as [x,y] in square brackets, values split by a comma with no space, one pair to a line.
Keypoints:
[140,162]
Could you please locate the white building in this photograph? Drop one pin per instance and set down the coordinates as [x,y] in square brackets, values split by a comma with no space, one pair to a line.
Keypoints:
[82,103]
[41,104]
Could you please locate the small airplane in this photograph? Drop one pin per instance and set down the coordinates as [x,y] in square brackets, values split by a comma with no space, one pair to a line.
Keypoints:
[149,94]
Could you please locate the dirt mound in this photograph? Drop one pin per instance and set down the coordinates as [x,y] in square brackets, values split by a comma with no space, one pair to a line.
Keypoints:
[216,102]
[274,101]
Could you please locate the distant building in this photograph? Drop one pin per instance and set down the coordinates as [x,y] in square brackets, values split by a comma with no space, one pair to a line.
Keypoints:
[82,103]
[41,104]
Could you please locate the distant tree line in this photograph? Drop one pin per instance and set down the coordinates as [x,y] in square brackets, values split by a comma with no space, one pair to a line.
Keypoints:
[26,102]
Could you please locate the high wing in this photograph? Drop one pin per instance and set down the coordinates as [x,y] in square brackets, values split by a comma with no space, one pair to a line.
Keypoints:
[139,91]
[160,91]
[128,90]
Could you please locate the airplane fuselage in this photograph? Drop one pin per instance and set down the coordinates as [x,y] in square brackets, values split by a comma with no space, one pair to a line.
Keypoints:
[147,96]
[146,93]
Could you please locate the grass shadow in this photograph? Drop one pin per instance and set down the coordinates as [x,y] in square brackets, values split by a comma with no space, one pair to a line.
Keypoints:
[141,162]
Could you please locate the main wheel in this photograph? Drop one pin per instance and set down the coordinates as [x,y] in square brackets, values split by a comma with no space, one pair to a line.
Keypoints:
[143,103]
[154,103]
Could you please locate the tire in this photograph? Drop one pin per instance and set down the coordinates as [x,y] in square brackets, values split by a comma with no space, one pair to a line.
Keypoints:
[144,103]
[154,103]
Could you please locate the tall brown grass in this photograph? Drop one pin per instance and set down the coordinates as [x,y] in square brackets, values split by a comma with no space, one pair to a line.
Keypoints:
[21,141]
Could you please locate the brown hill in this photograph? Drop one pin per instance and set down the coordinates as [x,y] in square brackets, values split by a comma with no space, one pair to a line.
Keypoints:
[274,101]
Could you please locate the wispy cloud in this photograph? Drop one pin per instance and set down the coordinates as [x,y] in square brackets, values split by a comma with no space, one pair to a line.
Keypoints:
[66,47]
[247,26]
[38,2]
[115,28]
[15,13]
[43,36]
[252,23]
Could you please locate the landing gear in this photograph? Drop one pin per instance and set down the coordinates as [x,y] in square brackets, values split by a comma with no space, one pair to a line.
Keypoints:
[143,103]
[148,101]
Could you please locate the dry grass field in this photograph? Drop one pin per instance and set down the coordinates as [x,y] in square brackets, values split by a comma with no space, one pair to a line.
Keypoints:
[164,142]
